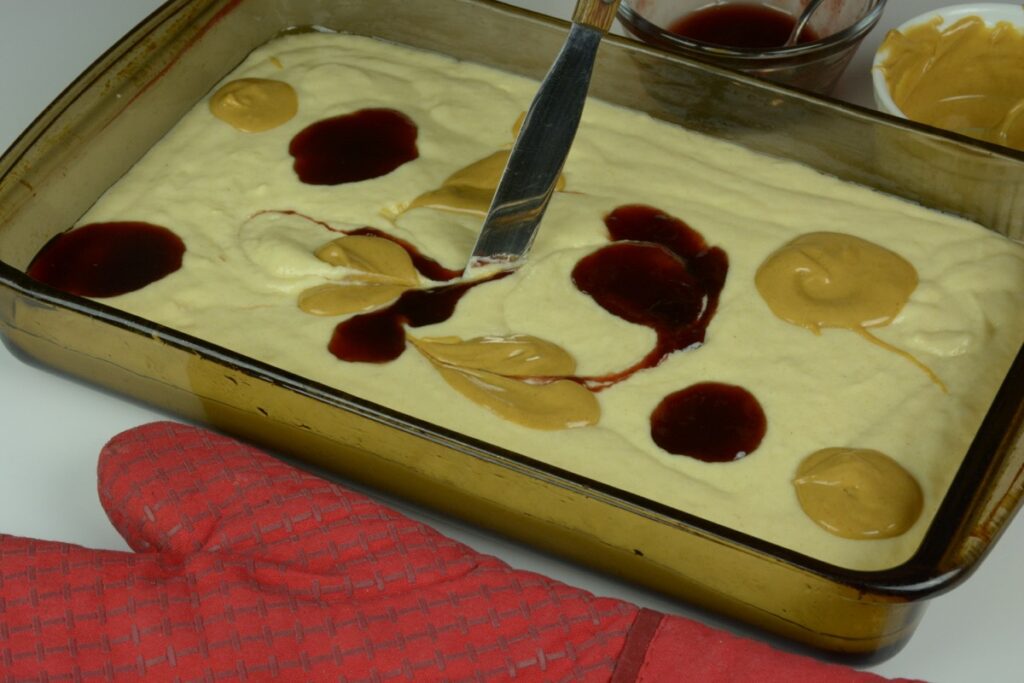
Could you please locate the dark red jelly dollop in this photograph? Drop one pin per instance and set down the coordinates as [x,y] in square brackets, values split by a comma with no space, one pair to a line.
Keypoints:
[660,273]
[643,283]
[107,259]
[740,25]
[710,421]
[376,337]
[365,144]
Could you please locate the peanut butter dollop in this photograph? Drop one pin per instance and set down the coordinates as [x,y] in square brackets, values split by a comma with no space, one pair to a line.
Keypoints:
[858,493]
[374,259]
[967,78]
[470,189]
[342,299]
[830,279]
[517,355]
[380,272]
[516,377]
[254,105]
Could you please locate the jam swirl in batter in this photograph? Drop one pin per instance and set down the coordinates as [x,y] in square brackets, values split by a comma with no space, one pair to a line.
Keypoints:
[102,260]
[365,144]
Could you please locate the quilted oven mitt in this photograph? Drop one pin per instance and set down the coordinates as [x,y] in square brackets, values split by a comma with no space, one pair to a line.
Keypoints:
[249,569]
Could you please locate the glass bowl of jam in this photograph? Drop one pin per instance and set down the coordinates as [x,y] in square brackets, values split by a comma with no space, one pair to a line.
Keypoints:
[750,37]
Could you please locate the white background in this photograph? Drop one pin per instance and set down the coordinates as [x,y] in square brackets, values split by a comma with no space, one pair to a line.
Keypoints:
[51,427]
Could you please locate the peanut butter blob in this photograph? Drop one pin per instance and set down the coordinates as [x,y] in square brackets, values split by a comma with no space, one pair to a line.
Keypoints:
[516,377]
[830,279]
[379,271]
[858,493]
[967,78]
[254,105]
[472,188]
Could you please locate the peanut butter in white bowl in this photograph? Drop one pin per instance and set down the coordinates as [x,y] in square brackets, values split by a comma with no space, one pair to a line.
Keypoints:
[959,69]
[639,346]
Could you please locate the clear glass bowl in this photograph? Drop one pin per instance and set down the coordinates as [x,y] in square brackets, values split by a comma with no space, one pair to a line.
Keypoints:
[814,66]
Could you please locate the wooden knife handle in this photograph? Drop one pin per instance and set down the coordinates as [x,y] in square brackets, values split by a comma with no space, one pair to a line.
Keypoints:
[597,14]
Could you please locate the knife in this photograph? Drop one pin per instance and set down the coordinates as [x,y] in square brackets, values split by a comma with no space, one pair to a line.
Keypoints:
[539,152]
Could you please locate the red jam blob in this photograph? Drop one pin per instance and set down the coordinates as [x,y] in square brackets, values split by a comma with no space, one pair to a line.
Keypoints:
[709,421]
[740,25]
[659,273]
[376,337]
[108,259]
[365,144]
[643,283]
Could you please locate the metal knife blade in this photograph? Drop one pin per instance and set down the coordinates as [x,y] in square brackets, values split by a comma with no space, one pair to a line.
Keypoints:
[543,143]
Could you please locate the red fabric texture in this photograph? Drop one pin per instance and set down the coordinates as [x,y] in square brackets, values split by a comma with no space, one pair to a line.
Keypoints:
[710,656]
[246,568]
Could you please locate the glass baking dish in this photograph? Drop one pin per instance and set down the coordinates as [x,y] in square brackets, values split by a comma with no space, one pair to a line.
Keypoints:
[126,101]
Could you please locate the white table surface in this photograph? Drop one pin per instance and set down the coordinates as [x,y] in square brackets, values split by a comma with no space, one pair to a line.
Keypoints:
[52,427]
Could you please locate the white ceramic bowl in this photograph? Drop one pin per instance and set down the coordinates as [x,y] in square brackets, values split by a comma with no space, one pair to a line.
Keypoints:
[990,12]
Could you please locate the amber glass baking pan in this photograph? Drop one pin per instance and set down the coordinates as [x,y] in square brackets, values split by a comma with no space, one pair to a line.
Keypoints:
[128,99]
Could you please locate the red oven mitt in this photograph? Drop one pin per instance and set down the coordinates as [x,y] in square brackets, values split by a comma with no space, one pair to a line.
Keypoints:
[249,569]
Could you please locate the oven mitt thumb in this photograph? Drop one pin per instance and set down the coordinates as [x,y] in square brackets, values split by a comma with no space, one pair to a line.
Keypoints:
[247,569]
